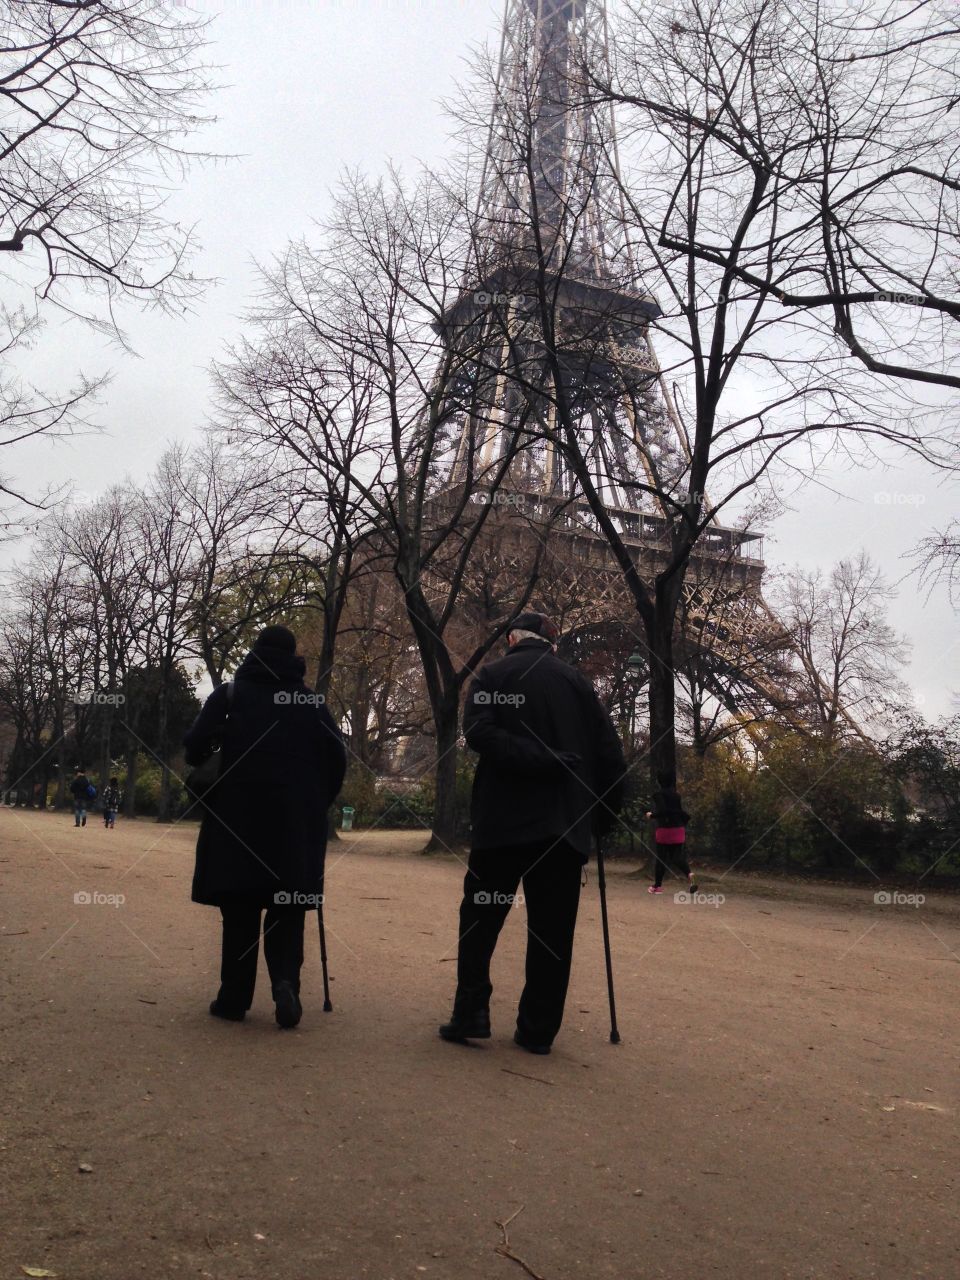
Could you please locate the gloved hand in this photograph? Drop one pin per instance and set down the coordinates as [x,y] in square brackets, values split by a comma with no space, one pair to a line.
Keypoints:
[568,758]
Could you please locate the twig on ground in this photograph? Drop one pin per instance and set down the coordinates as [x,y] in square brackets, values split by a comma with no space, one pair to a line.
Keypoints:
[523,1075]
[504,1248]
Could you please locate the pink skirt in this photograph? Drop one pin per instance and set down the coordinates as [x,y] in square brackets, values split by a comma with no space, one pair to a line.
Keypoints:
[670,835]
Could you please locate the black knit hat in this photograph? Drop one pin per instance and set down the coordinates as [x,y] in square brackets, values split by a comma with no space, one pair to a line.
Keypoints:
[539,624]
[280,639]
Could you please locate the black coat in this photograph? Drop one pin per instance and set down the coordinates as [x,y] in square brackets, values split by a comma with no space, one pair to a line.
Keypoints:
[667,809]
[264,829]
[551,764]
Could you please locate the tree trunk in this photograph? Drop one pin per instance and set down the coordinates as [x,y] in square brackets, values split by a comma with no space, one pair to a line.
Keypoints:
[163,800]
[445,834]
[662,694]
[60,796]
[105,743]
[130,784]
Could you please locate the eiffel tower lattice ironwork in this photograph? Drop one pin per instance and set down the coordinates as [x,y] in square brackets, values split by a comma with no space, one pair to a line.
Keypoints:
[551,227]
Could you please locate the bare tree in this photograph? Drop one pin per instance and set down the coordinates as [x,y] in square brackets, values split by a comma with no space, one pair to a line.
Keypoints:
[98,97]
[369,403]
[167,561]
[27,412]
[937,558]
[851,656]
[101,542]
[238,518]
[835,125]
[749,392]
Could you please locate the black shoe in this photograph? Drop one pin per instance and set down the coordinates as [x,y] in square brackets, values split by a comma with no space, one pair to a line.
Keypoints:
[474,1026]
[222,1011]
[289,1008]
[528,1045]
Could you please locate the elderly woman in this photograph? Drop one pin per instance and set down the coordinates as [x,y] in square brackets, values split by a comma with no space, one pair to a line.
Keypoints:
[263,835]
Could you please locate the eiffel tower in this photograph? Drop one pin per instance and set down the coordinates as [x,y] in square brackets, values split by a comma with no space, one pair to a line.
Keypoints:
[550,217]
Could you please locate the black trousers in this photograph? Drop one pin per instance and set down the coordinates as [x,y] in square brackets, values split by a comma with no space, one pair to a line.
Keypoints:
[550,873]
[282,947]
[669,855]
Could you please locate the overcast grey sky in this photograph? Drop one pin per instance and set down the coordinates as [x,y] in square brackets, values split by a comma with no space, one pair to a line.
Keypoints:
[312,87]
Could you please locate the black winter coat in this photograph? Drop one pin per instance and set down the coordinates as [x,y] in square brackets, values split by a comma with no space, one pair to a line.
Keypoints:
[80,787]
[551,764]
[667,809]
[264,829]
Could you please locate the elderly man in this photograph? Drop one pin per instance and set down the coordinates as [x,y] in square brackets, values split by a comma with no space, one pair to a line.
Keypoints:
[550,775]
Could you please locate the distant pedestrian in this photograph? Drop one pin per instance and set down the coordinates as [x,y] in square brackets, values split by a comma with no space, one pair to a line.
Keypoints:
[80,789]
[263,836]
[549,777]
[670,834]
[111,803]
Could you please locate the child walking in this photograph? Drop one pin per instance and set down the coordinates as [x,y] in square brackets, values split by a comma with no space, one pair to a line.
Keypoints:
[670,834]
[111,802]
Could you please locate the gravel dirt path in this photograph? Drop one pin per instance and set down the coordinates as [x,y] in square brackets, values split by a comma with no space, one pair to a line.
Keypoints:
[784,1103]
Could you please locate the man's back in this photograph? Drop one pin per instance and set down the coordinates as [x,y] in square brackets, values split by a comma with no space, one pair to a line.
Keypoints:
[548,752]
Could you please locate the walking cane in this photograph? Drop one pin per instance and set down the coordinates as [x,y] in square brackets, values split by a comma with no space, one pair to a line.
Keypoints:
[602,882]
[327,1006]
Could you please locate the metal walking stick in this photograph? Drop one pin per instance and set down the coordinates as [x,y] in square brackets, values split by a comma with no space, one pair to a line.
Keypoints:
[327,1005]
[602,882]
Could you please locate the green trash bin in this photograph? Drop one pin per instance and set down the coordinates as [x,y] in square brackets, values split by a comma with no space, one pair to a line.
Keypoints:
[347,823]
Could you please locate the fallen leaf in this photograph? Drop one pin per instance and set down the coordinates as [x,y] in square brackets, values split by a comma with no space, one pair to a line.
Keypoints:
[36,1271]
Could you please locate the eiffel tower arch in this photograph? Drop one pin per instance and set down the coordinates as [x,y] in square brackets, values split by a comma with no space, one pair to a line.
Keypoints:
[550,218]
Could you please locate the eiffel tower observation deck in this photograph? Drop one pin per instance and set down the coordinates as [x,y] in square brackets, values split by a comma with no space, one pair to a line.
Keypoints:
[551,239]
